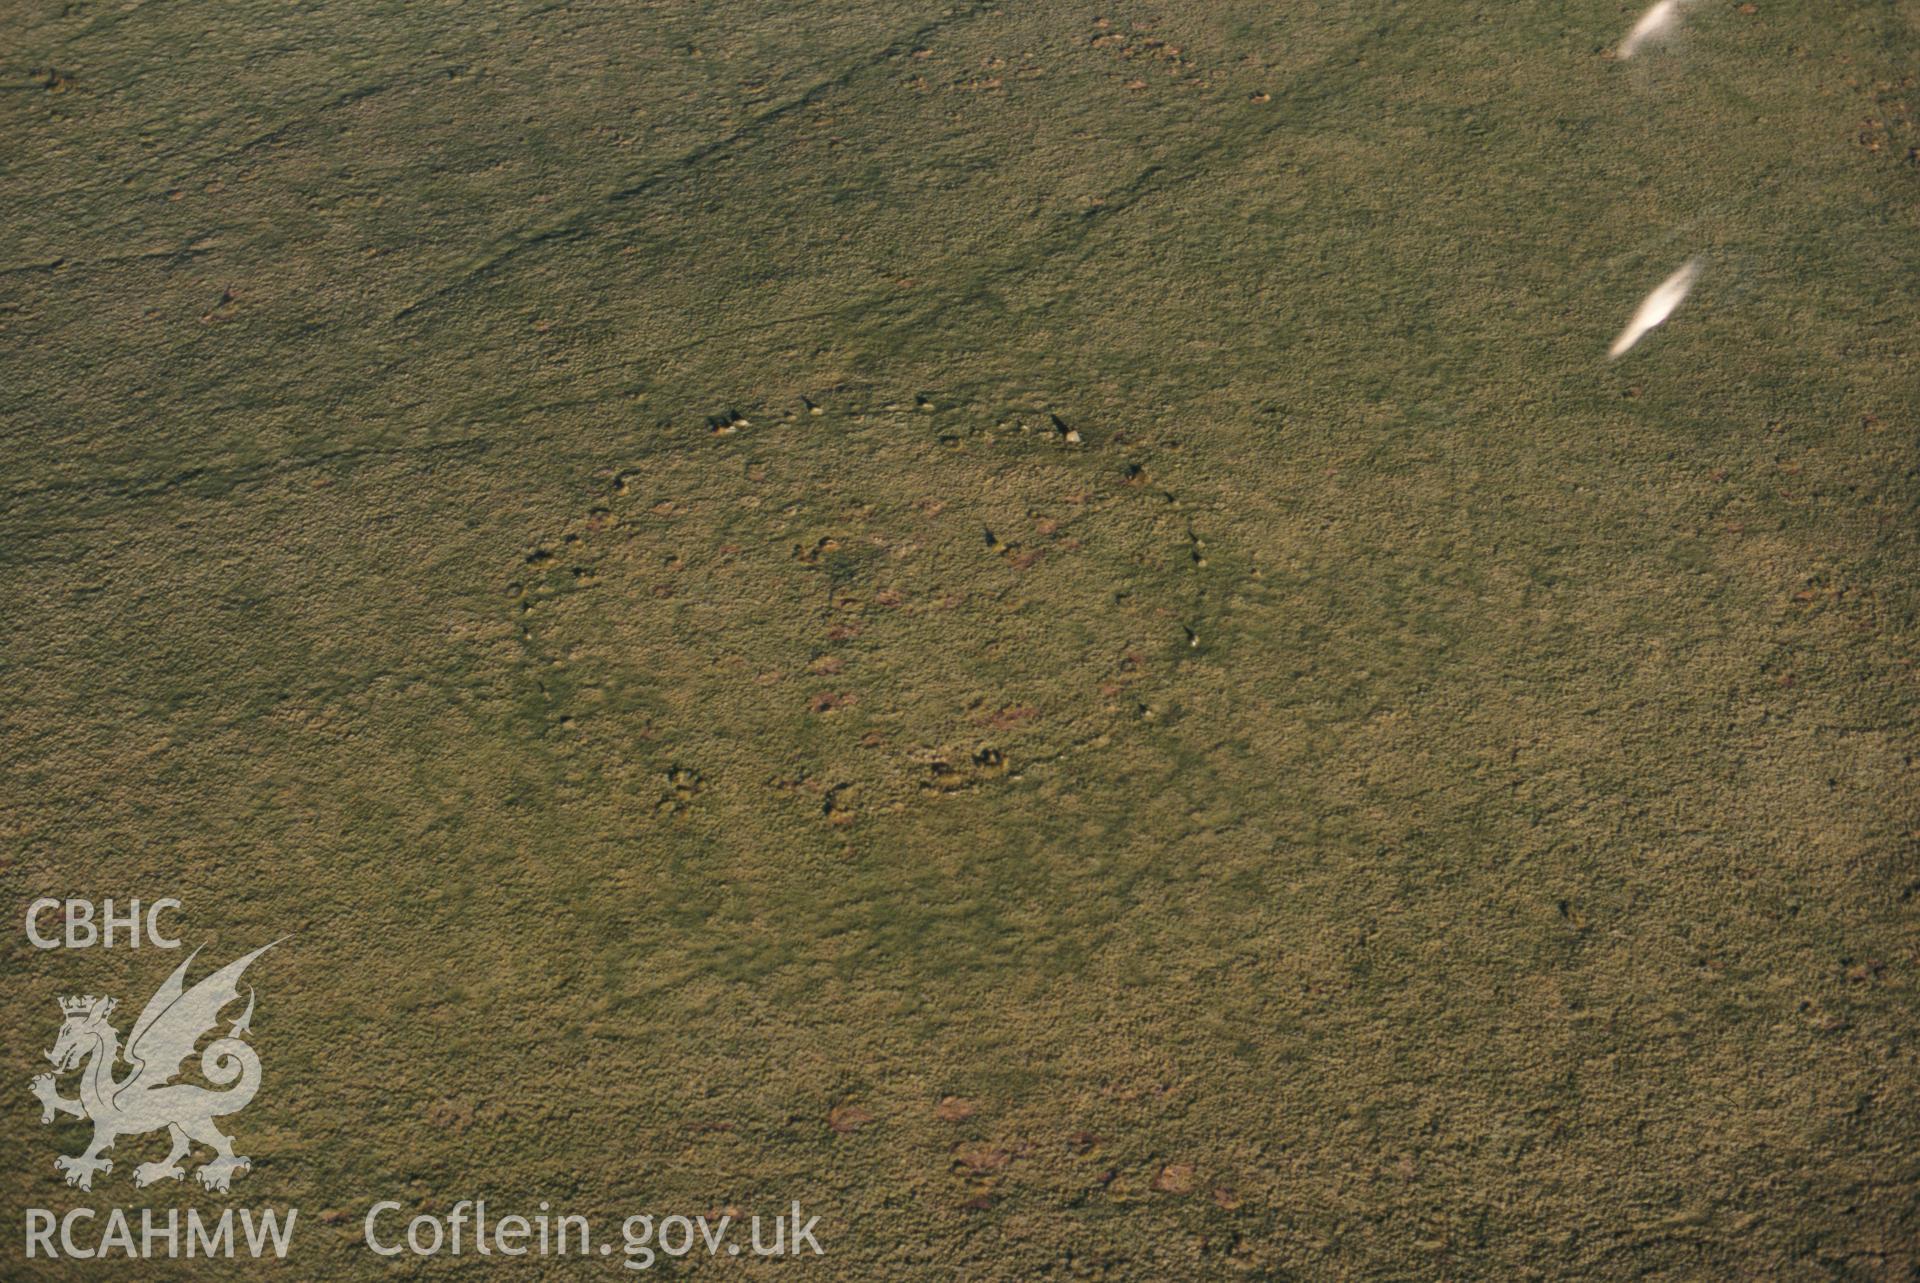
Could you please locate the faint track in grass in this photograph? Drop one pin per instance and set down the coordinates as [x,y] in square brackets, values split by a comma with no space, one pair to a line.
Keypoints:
[581,222]
[240,475]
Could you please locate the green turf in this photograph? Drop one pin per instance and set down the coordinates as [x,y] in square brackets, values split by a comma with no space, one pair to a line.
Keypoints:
[1393,795]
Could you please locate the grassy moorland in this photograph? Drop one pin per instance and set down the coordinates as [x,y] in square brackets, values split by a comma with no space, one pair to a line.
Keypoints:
[1042,627]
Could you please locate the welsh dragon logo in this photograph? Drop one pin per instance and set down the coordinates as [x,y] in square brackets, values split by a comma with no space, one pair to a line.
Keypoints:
[147,1099]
